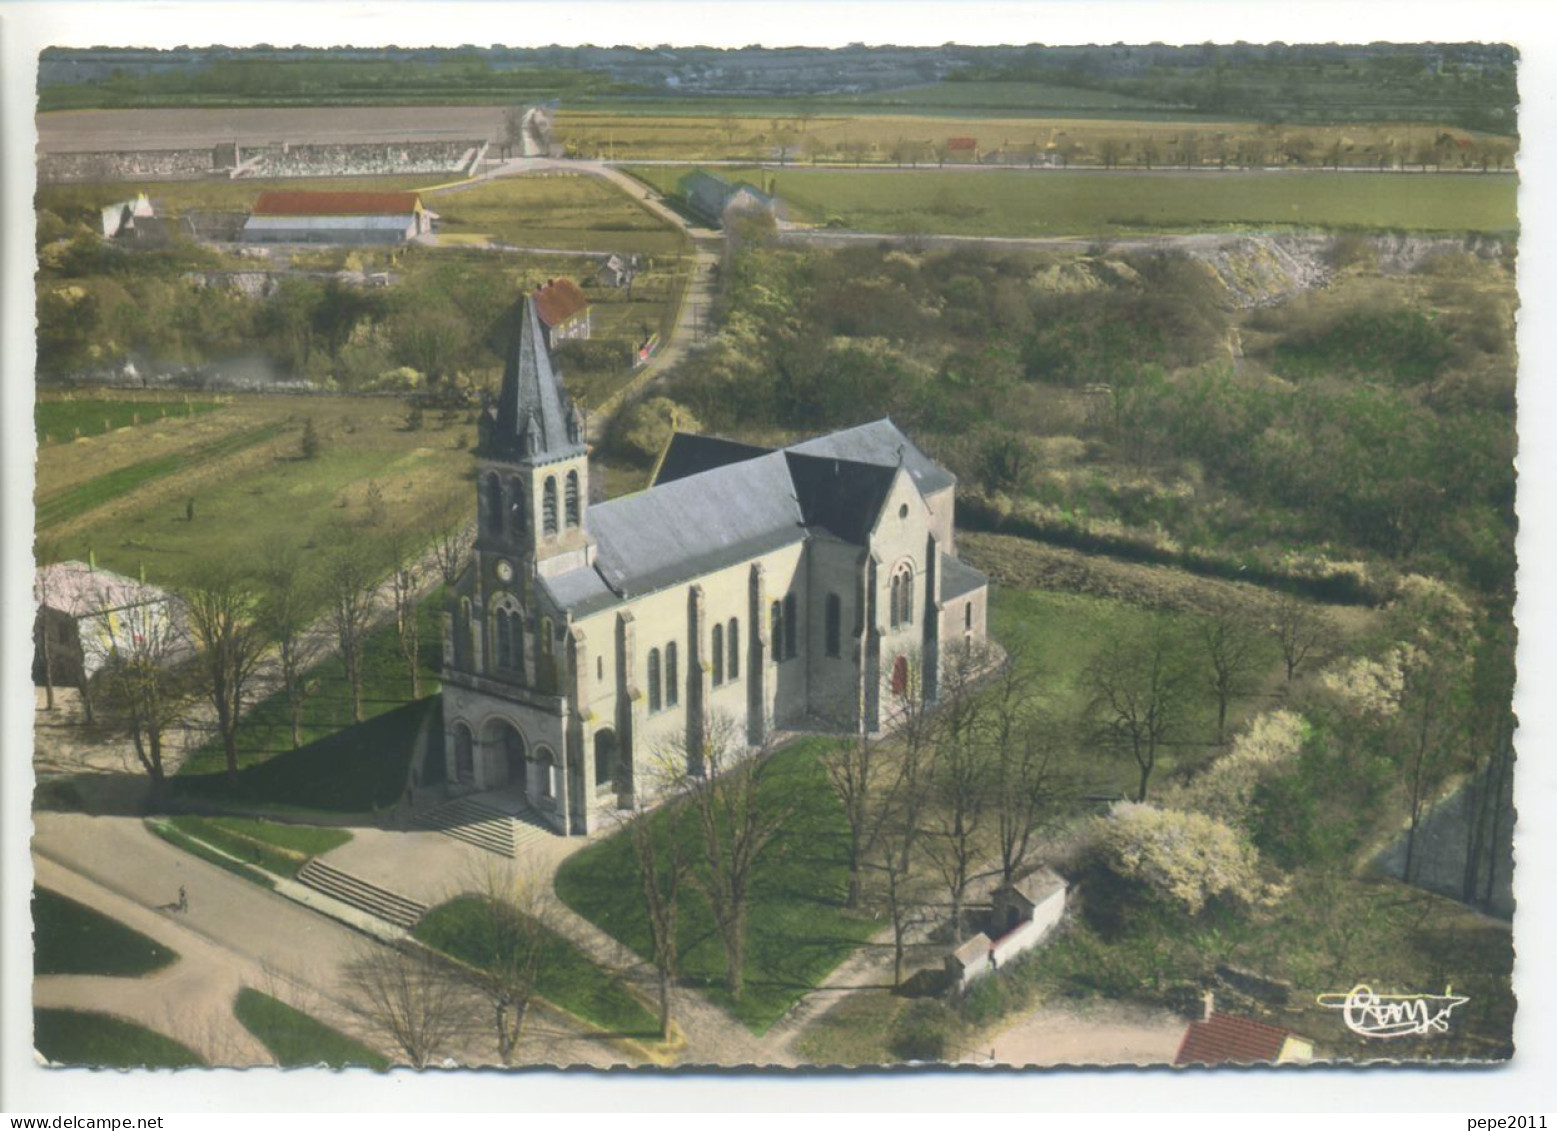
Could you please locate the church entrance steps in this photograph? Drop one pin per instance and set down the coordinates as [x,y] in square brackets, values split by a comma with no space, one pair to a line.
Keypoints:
[497,822]
[359,893]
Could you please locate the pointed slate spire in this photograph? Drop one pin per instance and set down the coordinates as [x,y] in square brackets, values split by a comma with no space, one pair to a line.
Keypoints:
[533,409]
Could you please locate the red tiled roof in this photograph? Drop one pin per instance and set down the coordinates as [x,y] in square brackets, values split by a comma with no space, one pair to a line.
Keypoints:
[961,143]
[559,300]
[1225,1039]
[336,203]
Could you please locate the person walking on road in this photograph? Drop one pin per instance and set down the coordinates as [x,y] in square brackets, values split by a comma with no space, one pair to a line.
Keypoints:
[183,898]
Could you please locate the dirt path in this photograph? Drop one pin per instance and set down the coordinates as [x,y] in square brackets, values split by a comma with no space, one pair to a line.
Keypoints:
[1100,1034]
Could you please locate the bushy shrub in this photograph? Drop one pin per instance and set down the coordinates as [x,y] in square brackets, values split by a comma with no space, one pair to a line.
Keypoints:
[1183,859]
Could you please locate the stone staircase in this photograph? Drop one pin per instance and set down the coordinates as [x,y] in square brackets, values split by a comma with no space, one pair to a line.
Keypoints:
[371,898]
[484,825]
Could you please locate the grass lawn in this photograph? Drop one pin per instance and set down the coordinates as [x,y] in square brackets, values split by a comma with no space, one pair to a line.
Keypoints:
[798,929]
[1056,203]
[60,420]
[565,210]
[257,494]
[70,938]
[297,1040]
[68,1036]
[855,1032]
[282,849]
[74,501]
[569,978]
[209,854]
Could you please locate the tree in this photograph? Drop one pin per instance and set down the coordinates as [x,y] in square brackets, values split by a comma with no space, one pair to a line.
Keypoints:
[287,598]
[407,998]
[961,781]
[1302,631]
[224,626]
[310,445]
[349,582]
[852,767]
[662,868]
[1027,781]
[510,932]
[1185,859]
[738,813]
[146,691]
[1140,690]
[405,580]
[1230,647]
[451,548]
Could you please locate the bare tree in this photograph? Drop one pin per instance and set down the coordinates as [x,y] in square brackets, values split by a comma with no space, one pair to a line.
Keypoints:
[1302,631]
[1027,784]
[224,628]
[510,933]
[350,585]
[852,768]
[287,599]
[662,868]
[961,781]
[405,580]
[451,549]
[1427,735]
[146,688]
[1140,691]
[1229,646]
[738,813]
[406,998]
[904,798]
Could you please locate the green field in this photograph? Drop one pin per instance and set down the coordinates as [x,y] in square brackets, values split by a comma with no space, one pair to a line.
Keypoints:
[1057,203]
[68,1036]
[565,210]
[798,929]
[1003,97]
[62,419]
[568,977]
[70,938]
[297,1040]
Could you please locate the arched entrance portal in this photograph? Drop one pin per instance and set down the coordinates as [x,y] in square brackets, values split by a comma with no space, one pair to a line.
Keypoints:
[504,757]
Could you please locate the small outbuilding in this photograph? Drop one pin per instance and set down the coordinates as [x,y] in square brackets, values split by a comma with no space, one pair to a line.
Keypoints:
[713,199]
[337,218]
[1222,1038]
[1021,914]
[563,311]
[85,614]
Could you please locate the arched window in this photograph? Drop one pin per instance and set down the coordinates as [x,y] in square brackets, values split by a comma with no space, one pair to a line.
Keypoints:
[776,630]
[518,507]
[505,651]
[735,648]
[462,648]
[672,676]
[967,617]
[900,677]
[464,754]
[903,595]
[834,625]
[791,626]
[570,499]
[654,679]
[493,511]
[716,653]
[548,763]
[547,632]
[549,507]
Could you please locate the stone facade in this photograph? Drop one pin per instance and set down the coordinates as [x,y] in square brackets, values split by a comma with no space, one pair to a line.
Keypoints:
[588,649]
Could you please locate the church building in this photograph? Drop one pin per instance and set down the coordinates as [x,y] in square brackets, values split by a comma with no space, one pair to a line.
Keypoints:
[771,588]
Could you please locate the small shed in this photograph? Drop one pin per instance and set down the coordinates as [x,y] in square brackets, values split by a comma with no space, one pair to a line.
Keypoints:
[119,219]
[563,310]
[85,614]
[615,272]
[1038,897]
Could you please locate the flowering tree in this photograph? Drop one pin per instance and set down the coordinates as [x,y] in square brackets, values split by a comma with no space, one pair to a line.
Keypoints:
[1185,858]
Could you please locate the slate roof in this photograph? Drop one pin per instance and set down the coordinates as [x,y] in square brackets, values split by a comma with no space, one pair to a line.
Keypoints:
[959,578]
[533,409]
[78,589]
[677,531]
[839,495]
[1037,886]
[690,453]
[881,443]
[559,300]
[273,203]
[1225,1039]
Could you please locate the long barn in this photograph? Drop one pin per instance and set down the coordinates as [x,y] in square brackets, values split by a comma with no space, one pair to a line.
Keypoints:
[337,218]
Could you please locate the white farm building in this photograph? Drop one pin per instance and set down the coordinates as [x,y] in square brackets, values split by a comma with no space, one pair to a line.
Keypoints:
[337,218]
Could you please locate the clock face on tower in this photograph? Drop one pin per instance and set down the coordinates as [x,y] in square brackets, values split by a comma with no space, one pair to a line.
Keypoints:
[505,572]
